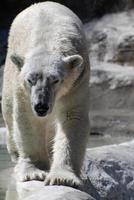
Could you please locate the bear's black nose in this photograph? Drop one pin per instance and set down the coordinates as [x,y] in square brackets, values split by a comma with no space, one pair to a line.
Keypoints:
[41,109]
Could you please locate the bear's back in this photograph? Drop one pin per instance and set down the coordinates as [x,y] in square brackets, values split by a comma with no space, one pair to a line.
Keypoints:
[47,20]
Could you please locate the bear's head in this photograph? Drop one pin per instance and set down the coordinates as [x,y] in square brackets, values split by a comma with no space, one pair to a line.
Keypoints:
[47,78]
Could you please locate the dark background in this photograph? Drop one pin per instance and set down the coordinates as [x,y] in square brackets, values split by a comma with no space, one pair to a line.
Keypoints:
[85,9]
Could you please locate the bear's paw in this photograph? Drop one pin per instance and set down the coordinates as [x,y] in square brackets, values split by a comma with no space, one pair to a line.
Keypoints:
[63,177]
[29,173]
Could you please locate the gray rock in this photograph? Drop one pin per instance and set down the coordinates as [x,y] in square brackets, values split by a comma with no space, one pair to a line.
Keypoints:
[110,172]
[125,50]
[36,190]
[111,47]
[111,38]
[111,99]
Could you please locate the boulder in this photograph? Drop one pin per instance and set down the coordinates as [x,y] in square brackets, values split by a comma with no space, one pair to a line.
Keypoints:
[112,99]
[50,192]
[111,38]
[110,172]
[125,50]
[111,47]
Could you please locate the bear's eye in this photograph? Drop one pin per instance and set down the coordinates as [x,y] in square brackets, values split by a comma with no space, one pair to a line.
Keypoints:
[30,82]
[55,81]
[33,78]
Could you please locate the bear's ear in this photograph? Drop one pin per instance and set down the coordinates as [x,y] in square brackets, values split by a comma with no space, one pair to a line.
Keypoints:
[17,60]
[74,60]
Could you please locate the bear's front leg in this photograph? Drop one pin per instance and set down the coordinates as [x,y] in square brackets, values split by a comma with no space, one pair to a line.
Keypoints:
[29,136]
[68,152]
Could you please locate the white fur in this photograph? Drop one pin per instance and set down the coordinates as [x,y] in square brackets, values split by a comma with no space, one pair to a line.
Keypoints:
[45,34]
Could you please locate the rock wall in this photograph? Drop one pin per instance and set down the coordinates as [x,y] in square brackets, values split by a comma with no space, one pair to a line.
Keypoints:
[111,47]
[110,172]
[111,38]
[112,100]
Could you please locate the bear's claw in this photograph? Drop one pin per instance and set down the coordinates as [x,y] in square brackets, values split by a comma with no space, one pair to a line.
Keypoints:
[63,178]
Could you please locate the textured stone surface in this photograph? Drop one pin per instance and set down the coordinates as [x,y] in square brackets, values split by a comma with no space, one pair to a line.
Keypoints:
[110,172]
[111,38]
[112,99]
[111,47]
[36,190]
[125,50]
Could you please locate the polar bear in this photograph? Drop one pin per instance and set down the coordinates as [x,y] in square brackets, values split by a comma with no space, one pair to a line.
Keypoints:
[45,100]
